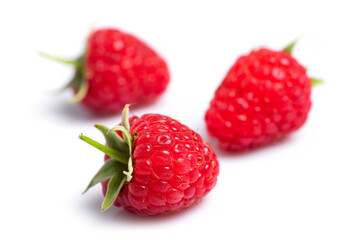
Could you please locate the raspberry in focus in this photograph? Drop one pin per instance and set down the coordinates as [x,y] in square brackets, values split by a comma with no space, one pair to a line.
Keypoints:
[172,167]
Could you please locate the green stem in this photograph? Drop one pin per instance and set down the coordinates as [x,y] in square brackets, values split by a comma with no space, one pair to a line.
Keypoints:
[315,82]
[121,157]
[74,63]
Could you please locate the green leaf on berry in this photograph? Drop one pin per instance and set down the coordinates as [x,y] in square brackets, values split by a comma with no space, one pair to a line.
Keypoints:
[109,169]
[113,189]
[126,135]
[125,118]
[113,140]
[315,82]
[121,157]
[289,48]
[119,169]
[78,82]
[81,92]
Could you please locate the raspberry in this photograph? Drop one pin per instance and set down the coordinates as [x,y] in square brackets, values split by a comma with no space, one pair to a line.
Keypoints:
[173,167]
[264,97]
[117,68]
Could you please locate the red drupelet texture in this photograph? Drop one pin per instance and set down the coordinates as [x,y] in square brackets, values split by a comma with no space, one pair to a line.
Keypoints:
[265,96]
[173,167]
[121,69]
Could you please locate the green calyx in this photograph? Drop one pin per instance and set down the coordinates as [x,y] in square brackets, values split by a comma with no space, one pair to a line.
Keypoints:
[118,169]
[78,82]
[289,49]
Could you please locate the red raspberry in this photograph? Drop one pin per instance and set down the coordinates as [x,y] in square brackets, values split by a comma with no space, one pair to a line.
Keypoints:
[117,68]
[173,167]
[264,96]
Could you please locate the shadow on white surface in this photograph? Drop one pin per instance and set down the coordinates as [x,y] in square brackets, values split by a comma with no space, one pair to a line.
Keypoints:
[118,215]
[223,154]
[72,112]
[61,109]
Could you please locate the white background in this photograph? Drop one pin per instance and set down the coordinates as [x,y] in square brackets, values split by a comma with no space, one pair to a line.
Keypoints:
[306,187]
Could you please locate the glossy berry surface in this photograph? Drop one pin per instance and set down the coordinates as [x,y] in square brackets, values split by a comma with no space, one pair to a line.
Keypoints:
[120,69]
[264,96]
[173,167]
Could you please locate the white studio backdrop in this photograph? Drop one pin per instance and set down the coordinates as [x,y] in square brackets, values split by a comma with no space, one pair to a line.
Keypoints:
[306,187]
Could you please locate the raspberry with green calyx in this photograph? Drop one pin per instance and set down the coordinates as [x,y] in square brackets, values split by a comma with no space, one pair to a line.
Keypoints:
[154,165]
[116,68]
[264,97]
